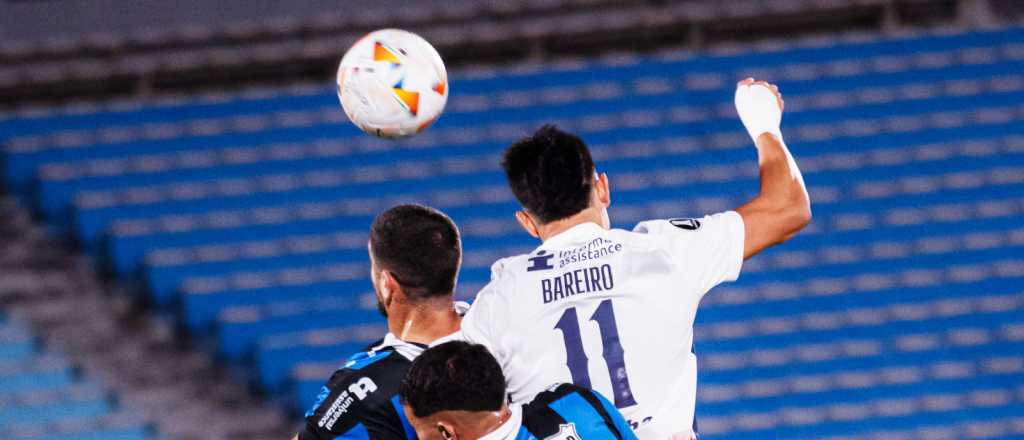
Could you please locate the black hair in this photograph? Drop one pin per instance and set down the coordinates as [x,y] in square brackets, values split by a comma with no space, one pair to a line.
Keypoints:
[454,376]
[420,247]
[551,173]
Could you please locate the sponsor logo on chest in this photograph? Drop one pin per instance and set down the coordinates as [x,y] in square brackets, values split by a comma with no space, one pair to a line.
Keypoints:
[359,390]
[594,250]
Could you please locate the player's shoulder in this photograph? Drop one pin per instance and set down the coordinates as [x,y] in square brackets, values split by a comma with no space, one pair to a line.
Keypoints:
[501,285]
[375,359]
[371,369]
[585,407]
[508,267]
[504,274]
[561,391]
[668,225]
[685,226]
[360,391]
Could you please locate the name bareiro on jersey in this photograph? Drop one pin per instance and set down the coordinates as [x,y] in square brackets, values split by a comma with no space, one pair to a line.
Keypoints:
[619,304]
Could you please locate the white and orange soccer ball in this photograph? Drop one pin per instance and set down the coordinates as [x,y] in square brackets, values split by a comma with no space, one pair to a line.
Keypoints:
[392,83]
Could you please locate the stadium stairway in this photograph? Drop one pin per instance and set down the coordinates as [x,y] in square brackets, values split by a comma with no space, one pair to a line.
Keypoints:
[896,314]
[77,363]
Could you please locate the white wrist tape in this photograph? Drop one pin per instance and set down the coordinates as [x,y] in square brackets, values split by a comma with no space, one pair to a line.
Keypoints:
[759,110]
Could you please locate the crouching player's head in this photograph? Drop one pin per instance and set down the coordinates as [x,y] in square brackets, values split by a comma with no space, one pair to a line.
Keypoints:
[552,175]
[455,390]
[415,253]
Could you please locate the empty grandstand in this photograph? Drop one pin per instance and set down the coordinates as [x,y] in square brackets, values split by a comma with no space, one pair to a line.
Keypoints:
[197,263]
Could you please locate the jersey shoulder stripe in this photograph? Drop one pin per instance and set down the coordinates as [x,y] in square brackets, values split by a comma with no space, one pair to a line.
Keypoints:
[362,360]
[608,412]
[396,402]
[357,432]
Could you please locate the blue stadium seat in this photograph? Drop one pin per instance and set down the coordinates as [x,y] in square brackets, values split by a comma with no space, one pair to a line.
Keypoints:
[56,406]
[278,354]
[240,327]
[43,396]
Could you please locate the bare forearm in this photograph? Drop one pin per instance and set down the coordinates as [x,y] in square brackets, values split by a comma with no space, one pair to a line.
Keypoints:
[782,208]
[782,185]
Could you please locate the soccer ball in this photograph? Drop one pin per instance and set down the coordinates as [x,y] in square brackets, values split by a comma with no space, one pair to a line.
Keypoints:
[392,83]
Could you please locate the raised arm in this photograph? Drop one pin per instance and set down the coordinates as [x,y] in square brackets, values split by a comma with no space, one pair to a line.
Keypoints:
[782,208]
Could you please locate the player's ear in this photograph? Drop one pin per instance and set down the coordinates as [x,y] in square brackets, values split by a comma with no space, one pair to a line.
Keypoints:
[388,287]
[446,430]
[526,221]
[602,190]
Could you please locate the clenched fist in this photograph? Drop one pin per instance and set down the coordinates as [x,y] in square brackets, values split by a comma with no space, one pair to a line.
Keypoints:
[759,105]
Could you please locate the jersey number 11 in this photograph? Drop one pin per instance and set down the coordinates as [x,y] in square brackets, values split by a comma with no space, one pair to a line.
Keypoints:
[576,358]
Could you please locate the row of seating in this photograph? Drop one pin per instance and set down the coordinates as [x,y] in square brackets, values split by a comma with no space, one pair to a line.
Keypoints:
[827,168]
[686,80]
[848,61]
[849,51]
[132,239]
[891,218]
[266,248]
[196,162]
[97,200]
[246,23]
[993,428]
[89,222]
[42,396]
[520,31]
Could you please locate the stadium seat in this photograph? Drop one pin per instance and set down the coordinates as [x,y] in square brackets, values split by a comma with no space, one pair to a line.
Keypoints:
[42,396]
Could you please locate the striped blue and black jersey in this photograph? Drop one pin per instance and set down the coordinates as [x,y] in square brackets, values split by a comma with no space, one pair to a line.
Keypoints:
[360,400]
[569,412]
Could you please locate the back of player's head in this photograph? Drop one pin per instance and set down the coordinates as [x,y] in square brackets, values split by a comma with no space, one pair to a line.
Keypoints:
[454,376]
[420,247]
[551,173]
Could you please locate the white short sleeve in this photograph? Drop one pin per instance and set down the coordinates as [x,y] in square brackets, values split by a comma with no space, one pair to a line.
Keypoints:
[709,248]
[476,322]
[484,321]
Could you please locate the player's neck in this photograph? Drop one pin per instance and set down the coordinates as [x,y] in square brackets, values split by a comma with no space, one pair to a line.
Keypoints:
[479,424]
[424,321]
[589,215]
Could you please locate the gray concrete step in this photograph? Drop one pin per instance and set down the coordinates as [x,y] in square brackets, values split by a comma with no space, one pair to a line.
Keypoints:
[98,327]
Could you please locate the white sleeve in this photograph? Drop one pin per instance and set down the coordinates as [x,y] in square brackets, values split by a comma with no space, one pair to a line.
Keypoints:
[481,324]
[475,322]
[710,249]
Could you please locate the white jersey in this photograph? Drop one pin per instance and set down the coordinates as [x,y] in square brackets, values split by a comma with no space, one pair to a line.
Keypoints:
[610,310]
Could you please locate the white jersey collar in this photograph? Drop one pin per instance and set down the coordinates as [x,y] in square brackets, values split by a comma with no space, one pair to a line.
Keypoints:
[408,349]
[411,349]
[510,429]
[579,232]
